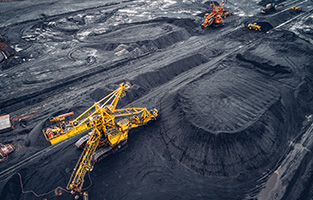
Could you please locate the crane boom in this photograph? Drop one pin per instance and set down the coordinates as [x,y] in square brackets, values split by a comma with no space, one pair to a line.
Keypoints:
[84,163]
[110,131]
[63,130]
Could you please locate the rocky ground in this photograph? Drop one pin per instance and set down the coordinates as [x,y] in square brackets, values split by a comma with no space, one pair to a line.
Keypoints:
[235,105]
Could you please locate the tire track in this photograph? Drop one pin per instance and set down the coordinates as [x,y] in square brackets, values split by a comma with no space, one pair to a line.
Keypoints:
[57,16]
[170,87]
[200,42]
[197,72]
[11,170]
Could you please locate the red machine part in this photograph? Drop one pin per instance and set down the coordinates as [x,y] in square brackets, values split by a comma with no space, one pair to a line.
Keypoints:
[5,149]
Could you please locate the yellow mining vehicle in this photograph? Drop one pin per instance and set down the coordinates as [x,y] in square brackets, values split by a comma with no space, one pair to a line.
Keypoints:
[108,131]
[298,9]
[254,26]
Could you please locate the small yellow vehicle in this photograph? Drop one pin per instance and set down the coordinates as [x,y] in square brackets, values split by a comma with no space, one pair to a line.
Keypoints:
[254,26]
[298,9]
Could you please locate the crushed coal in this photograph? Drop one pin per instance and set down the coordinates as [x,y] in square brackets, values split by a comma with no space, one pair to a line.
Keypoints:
[235,106]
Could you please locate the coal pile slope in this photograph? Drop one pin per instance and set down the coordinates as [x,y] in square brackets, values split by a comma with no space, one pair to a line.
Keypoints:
[228,123]
[232,102]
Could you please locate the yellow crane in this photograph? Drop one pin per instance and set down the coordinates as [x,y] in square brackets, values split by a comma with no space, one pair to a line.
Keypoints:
[109,132]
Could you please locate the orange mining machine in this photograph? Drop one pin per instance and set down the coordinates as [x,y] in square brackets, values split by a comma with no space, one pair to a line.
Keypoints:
[215,18]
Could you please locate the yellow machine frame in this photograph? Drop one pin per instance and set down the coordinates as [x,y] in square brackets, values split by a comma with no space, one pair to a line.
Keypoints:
[110,127]
[82,122]
[254,26]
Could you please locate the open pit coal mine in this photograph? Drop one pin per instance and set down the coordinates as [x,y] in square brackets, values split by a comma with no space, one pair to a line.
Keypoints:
[235,105]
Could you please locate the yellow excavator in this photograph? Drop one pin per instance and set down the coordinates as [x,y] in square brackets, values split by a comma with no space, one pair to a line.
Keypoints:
[254,26]
[108,131]
[298,9]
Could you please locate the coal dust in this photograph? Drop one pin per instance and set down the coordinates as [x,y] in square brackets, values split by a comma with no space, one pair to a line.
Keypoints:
[235,105]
